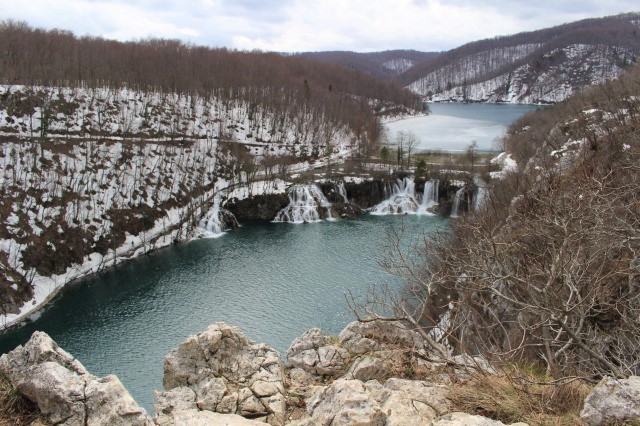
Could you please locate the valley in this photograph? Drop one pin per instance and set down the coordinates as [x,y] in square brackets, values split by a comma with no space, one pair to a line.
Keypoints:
[475,210]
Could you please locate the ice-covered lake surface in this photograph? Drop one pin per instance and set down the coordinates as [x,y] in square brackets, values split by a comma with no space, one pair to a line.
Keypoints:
[453,126]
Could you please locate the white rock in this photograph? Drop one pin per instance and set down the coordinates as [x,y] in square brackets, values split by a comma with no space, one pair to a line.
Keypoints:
[345,402]
[229,374]
[463,419]
[167,403]
[64,391]
[612,399]
[300,377]
[398,402]
[320,355]
[367,368]
[208,418]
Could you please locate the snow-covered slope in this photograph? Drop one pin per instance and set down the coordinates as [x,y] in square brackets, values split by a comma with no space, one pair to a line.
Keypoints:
[470,67]
[110,175]
[399,65]
[550,78]
[545,65]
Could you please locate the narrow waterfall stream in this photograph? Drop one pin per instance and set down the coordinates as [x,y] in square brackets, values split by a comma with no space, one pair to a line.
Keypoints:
[215,221]
[342,191]
[455,207]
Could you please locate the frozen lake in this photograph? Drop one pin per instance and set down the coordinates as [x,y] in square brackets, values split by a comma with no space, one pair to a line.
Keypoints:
[452,126]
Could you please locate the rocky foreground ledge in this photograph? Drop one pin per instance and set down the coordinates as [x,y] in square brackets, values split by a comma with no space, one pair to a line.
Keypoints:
[218,377]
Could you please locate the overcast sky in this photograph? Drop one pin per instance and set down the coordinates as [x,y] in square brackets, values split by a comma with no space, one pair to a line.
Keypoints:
[309,25]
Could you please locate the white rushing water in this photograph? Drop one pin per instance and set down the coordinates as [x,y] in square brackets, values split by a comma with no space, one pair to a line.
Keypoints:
[212,225]
[404,199]
[305,202]
[455,208]
[342,191]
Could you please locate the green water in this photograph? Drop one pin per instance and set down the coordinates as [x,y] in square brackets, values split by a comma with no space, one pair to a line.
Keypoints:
[274,280]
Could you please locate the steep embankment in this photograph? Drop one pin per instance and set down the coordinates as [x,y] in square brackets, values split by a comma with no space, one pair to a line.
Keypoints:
[74,204]
[544,66]
[547,272]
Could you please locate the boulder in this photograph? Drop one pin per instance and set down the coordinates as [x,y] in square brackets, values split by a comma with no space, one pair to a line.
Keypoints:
[317,354]
[228,374]
[299,377]
[178,407]
[612,400]
[363,350]
[167,404]
[208,418]
[361,337]
[397,402]
[345,402]
[64,391]
[367,368]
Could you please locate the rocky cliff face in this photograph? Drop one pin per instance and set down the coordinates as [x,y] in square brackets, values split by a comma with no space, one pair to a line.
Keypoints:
[543,66]
[64,391]
[219,377]
[470,67]
[548,78]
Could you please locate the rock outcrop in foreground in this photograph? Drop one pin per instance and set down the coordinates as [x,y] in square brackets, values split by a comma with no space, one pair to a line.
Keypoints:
[218,377]
[64,391]
[219,370]
[332,381]
[612,401]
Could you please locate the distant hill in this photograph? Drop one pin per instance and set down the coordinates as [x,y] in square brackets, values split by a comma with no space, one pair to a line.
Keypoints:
[543,66]
[386,65]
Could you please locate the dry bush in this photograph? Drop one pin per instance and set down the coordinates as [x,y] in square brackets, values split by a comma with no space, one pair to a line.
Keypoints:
[548,271]
[15,410]
[517,395]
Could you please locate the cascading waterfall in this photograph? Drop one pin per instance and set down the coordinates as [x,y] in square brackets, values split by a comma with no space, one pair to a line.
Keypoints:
[214,222]
[455,209]
[404,200]
[342,191]
[305,202]
[429,196]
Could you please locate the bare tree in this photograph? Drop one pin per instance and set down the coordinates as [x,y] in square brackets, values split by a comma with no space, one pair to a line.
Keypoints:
[411,143]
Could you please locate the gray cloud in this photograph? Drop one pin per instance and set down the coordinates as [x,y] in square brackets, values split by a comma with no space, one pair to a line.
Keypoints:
[298,25]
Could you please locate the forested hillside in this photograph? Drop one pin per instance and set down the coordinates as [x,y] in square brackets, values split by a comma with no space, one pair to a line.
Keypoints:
[546,273]
[541,66]
[58,58]
[386,65]
[109,150]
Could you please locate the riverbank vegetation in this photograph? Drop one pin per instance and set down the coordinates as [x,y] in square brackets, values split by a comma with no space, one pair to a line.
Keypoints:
[545,273]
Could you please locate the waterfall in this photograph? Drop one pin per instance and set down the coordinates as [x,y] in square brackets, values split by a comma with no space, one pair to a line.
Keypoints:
[342,191]
[305,202]
[456,202]
[214,222]
[404,200]
[429,196]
